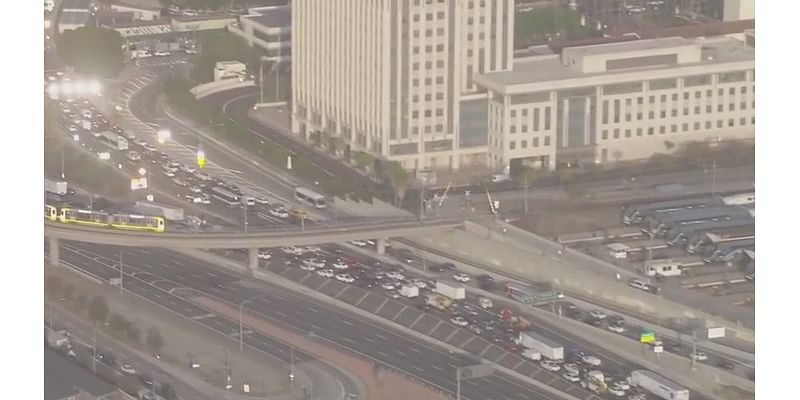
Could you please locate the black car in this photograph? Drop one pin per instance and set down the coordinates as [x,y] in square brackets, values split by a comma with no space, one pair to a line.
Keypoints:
[615,320]
[486,282]
[726,364]
[569,308]
[146,379]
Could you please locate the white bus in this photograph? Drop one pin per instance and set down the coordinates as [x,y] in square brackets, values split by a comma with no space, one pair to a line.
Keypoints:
[226,196]
[310,197]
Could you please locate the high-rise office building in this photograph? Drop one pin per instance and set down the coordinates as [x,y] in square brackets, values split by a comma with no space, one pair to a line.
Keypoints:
[395,77]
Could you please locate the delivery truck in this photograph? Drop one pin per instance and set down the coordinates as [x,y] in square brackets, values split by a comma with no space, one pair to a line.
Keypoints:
[451,290]
[549,349]
[409,291]
[156,209]
[58,187]
[658,385]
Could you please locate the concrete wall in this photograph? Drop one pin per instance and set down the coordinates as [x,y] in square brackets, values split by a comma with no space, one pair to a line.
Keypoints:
[207,89]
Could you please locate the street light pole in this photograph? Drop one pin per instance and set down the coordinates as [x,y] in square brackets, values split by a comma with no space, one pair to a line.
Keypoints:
[291,366]
[458,383]
[713,178]
[261,79]
[422,200]
[121,290]
[245,217]
[241,322]
[62,162]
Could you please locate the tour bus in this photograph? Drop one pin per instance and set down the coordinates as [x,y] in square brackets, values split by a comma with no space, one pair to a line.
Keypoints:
[225,196]
[310,197]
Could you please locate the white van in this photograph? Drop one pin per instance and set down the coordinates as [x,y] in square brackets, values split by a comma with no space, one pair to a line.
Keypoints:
[639,284]
[134,156]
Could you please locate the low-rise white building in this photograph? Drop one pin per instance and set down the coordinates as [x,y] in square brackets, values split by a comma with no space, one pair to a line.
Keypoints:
[229,70]
[140,12]
[619,101]
[269,28]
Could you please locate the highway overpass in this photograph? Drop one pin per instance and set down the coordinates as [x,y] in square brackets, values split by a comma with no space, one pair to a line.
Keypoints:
[253,241]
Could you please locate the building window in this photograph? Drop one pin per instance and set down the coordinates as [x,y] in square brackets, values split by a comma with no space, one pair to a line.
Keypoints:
[536,142]
[415,82]
[605,111]
[730,123]
[708,125]
[512,145]
[640,100]
[439,112]
[742,121]
[650,131]
[721,92]
[513,113]
[651,114]
[439,128]
[547,140]
[685,127]
[663,113]
[663,98]
[743,90]
[415,98]
[731,107]
[652,99]
[512,129]
[627,118]
[719,123]
[732,91]
[696,110]
[697,94]
[638,116]
[720,108]
[686,95]
[605,134]
[616,133]
[674,112]
[674,97]
[696,126]
[439,80]
[428,113]
[628,102]
[524,128]
[685,111]
[414,114]
[524,112]
[743,105]
[428,97]
[439,47]
[627,133]
[708,109]
[753,120]
[535,119]
[524,144]
[662,129]
[439,96]
[638,131]
[547,118]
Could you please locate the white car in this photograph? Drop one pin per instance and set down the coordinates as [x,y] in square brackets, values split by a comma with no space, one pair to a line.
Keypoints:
[616,391]
[314,262]
[194,199]
[279,213]
[307,267]
[169,174]
[622,385]
[359,243]
[262,200]
[461,277]
[292,250]
[597,314]
[128,369]
[637,396]
[396,275]
[264,254]
[459,321]
[569,376]
[73,129]
[420,283]
[195,189]
[205,199]
[572,368]
[325,273]
[393,294]
[162,54]
[190,51]
[591,360]
[388,286]
[639,284]
[346,278]
[340,265]
[312,249]
[616,328]
[698,356]
[550,365]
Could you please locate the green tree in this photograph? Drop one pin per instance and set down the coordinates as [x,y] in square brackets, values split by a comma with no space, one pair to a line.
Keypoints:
[363,160]
[118,323]
[92,50]
[399,178]
[528,176]
[98,309]
[53,285]
[154,340]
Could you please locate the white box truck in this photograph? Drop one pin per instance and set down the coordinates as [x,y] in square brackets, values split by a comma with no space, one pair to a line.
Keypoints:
[156,209]
[658,385]
[409,291]
[55,186]
[451,290]
[547,348]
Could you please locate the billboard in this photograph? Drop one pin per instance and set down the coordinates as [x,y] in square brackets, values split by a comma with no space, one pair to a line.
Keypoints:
[138,183]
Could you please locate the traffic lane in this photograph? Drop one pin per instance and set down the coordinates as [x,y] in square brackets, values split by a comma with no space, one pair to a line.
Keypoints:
[143,366]
[143,105]
[387,346]
[168,294]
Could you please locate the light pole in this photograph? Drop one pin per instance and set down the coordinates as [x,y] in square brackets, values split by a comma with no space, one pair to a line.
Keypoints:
[261,78]
[245,216]
[121,290]
[458,383]
[241,323]
[143,174]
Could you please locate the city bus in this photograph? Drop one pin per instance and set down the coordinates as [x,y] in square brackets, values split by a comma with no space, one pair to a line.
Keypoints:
[531,296]
[310,197]
[226,196]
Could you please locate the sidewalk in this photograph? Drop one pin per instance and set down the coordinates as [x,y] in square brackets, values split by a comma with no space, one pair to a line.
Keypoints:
[184,342]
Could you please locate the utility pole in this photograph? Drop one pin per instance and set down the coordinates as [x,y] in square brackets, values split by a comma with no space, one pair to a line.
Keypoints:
[121,290]
[291,367]
[422,199]
[458,383]
[713,178]
[245,217]
[62,162]
[261,79]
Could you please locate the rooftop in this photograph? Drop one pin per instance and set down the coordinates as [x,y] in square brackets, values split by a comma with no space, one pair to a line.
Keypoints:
[541,69]
[137,4]
[73,18]
[62,378]
[687,31]
[76,4]
[277,17]
[205,17]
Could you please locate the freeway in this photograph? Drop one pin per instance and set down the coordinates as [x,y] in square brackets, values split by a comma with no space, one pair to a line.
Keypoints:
[291,235]
[172,280]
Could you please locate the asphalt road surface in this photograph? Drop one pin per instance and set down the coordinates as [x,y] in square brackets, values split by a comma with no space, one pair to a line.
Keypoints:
[167,278]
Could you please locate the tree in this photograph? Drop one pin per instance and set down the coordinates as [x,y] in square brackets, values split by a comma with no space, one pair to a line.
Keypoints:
[154,340]
[527,176]
[399,178]
[363,160]
[92,50]
[669,145]
[53,285]
[118,323]
[98,309]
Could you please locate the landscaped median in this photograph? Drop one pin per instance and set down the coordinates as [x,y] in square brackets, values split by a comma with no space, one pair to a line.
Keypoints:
[180,98]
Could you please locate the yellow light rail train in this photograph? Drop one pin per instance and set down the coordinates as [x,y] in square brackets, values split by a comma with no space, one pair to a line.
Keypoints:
[104,220]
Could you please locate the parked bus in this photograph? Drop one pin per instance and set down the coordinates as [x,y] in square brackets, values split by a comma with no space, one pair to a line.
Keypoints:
[226,196]
[528,295]
[310,197]
[114,140]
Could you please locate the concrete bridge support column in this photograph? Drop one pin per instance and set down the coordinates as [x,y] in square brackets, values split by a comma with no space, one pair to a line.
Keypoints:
[54,249]
[381,246]
[253,256]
